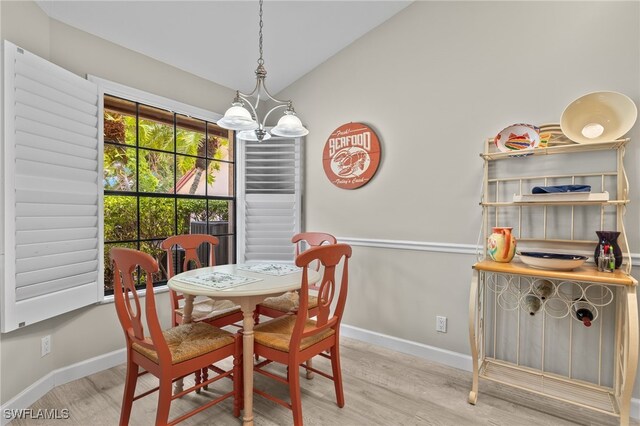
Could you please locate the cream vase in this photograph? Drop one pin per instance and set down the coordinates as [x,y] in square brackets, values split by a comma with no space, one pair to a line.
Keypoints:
[501,245]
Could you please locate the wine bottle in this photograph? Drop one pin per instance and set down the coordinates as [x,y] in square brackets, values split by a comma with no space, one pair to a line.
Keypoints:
[544,289]
[601,260]
[583,312]
[532,303]
[612,260]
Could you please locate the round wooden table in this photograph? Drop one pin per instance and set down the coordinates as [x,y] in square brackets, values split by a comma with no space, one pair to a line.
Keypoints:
[247,296]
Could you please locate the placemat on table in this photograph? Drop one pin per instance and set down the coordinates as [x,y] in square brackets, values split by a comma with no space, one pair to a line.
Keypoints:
[219,280]
[276,269]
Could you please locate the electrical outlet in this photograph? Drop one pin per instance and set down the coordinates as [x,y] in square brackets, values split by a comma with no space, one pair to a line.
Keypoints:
[441,324]
[46,345]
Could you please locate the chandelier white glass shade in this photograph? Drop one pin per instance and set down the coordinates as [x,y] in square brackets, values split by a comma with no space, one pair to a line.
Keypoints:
[247,122]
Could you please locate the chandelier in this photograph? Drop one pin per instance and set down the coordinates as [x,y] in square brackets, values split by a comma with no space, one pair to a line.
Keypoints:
[247,122]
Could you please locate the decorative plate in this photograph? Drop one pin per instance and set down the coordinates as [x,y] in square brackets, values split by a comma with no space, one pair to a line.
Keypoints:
[517,137]
[555,261]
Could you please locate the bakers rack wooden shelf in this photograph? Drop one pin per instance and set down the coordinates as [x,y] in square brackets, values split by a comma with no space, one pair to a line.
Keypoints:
[546,350]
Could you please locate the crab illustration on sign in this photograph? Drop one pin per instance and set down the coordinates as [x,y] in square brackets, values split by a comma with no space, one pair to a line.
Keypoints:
[351,155]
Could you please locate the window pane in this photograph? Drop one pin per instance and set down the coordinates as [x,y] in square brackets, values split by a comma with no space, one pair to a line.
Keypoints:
[218,227]
[225,251]
[191,176]
[108,267]
[155,128]
[120,218]
[119,168]
[219,147]
[231,156]
[119,121]
[157,217]
[192,216]
[220,211]
[190,136]
[220,179]
[156,171]
[221,221]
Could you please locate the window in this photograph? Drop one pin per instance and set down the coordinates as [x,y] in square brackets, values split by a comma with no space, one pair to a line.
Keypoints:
[165,174]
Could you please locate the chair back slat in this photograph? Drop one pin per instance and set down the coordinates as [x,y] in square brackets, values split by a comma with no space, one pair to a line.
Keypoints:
[190,244]
[127,264]
[326,291]
[312,239]
[330,257]
[130,294]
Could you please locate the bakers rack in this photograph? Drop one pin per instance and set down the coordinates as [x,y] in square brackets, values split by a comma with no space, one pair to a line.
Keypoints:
[549,351]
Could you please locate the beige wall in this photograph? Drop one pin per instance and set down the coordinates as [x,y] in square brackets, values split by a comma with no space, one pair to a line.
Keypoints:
[26,25]
[435,81]
[92,331]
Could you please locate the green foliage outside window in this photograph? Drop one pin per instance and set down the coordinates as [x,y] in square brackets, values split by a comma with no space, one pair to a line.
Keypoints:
[160,217]
[156,168]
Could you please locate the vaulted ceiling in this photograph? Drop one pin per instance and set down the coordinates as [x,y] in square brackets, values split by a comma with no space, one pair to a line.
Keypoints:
[218,40]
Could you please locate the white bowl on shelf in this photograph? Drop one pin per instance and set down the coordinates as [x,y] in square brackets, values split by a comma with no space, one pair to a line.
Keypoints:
[553,261]
[598,117]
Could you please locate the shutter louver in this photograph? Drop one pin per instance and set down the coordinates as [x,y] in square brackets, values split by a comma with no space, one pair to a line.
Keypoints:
[52,190]
[272,199]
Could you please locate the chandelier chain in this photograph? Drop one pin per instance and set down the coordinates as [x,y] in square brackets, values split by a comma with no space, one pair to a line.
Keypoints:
[247,121]
[260,60]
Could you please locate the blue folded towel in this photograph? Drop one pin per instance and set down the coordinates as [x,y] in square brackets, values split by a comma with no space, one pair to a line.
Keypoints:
[560,188]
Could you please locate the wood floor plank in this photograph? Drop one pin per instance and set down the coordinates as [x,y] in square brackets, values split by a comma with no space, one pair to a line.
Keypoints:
[382,387]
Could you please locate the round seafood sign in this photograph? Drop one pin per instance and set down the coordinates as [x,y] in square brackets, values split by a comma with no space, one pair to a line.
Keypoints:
[351,155]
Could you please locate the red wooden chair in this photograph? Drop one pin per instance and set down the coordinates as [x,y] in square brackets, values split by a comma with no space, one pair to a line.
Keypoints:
[171,354]
[274,307]
[294,338]
[215,312]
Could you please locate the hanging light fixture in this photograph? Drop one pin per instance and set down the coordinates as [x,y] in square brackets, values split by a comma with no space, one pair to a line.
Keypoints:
[247,122]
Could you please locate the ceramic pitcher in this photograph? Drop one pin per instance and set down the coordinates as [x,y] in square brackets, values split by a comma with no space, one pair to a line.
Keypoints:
[501,245]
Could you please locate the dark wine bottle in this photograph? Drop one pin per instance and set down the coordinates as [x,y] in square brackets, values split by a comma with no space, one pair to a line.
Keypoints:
[544,289]
[532,304]
[585,316]
[583,312]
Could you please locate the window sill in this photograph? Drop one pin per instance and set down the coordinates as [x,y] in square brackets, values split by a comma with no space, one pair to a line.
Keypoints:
[141,293]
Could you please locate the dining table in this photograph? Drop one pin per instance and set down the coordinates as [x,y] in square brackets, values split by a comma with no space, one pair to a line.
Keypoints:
[246,285]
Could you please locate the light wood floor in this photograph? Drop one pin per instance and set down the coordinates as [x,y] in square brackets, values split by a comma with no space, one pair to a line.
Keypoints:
[382,387]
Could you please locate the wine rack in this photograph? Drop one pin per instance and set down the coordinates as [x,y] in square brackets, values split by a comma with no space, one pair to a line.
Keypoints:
[568,335]
[556,298]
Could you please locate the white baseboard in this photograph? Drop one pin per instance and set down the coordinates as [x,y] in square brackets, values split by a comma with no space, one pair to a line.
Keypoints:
[430,353]
[58,377]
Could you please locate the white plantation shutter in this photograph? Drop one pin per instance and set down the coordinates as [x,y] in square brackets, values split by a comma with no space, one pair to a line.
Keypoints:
[52,178]
[269,198]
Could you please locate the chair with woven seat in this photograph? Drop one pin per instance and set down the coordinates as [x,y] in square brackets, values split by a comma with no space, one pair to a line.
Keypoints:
[171,354]
[274,307]
[215,312]
[293,339]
